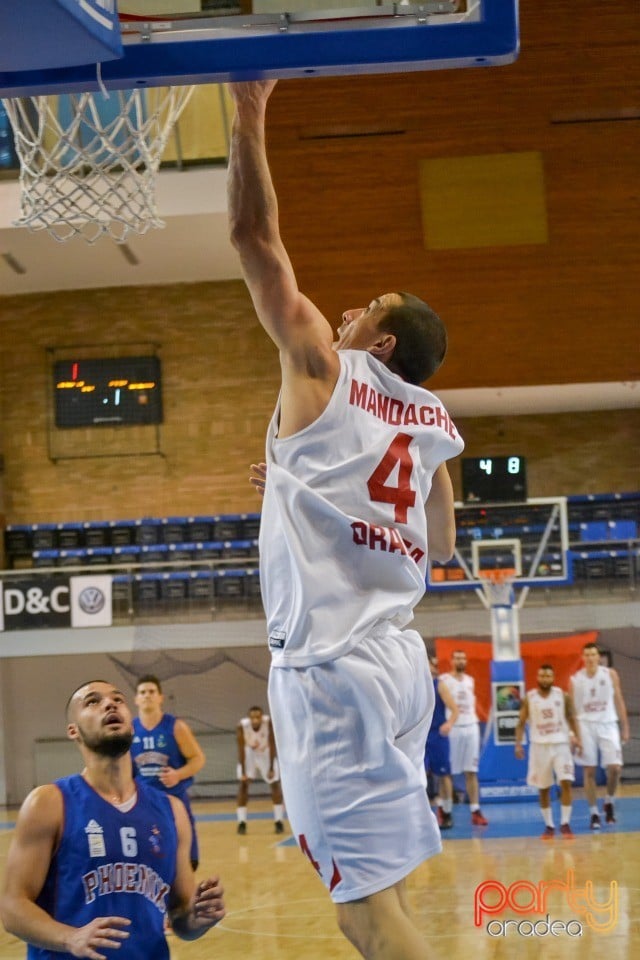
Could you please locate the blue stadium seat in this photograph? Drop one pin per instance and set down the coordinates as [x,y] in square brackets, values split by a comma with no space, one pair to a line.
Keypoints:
[122,589]
[146,588]
[243,549]
[227,527]
[122,532]
[199,529]
[200,585]
[126,554]
[174,529]
[183,552]
[70,536]
[154,553]
[71,558]
[147,531]
[45,558]
[97,533]
[98,555]
[229,583]
[44,536]
[173,586]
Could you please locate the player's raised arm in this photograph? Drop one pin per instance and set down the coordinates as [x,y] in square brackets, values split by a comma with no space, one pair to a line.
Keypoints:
[288,316]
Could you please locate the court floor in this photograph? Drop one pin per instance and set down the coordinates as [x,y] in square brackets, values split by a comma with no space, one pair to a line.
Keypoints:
[278,909]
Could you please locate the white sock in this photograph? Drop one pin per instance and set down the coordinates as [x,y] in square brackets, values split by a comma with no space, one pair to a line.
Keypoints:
[447,805]
[547,816]
[565,814]
[241,813]
[474,807]
[278,811]
[594,810]
[609,799]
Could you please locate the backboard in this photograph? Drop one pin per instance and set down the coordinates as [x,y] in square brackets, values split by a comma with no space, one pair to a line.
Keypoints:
[183,42]
[525,542]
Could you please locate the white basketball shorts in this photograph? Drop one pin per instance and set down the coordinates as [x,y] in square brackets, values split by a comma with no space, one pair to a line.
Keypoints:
[547,759]
[257,765]
[600,736]
[351,735]
[464,746]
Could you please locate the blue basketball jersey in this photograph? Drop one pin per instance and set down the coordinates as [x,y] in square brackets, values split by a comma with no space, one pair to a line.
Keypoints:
[157,748]
[111,863]
[439,710]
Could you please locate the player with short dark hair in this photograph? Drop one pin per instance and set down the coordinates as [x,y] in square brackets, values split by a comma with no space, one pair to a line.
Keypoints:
[464,738]
[98,858]
[551,717]
[257,756]
[165,751]
[357,494]
[604,723]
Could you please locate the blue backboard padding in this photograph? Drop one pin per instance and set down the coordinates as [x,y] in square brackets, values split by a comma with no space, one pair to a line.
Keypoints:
[395,46]
[56,33]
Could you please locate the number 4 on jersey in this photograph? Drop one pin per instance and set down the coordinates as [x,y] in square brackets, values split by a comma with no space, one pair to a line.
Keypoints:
[402,496]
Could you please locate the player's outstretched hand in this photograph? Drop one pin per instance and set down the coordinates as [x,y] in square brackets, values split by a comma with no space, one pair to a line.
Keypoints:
[208,903]
[252,91]
[258,477]
[103,933]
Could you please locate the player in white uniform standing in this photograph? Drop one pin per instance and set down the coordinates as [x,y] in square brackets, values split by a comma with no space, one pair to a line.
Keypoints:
[355,451]
[464,738]
[599,706]
[550,714]
[257,758]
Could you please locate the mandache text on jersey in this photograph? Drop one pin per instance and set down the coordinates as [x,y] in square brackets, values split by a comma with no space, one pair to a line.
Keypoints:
[397,413]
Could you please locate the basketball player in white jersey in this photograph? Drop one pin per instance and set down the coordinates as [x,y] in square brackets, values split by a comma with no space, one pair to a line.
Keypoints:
[464,738]
[551,716]
[602,715]
[257,758]
[357,493]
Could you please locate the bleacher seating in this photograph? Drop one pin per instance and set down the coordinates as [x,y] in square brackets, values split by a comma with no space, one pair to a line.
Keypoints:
[205,561]
[149,540]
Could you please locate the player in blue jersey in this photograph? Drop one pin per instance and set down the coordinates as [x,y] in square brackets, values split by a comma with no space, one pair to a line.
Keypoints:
[436,756]
[98,858]
[165,751]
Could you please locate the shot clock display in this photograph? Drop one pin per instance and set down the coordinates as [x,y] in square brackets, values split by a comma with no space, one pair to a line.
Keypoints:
[494,479]
[107,391]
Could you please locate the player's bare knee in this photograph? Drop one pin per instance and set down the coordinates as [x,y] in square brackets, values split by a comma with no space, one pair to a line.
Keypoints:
[357,924]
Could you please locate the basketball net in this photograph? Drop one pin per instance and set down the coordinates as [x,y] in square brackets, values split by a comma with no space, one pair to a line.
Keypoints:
[497,585]
[84,174]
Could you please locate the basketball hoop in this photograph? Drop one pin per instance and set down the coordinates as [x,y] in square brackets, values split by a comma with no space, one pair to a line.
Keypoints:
[497,585]
[89,161]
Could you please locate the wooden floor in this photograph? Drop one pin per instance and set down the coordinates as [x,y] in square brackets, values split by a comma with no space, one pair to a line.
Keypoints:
[278,910]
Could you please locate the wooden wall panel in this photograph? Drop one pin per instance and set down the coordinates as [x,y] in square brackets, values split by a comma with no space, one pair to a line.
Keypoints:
[518,315]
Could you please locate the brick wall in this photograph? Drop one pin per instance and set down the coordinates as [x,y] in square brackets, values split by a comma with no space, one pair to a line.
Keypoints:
[220,382]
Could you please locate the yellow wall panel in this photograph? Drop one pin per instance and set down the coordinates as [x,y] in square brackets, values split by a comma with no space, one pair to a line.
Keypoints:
[483,201]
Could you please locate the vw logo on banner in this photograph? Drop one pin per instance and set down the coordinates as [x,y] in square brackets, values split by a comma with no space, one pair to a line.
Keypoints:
[91,601]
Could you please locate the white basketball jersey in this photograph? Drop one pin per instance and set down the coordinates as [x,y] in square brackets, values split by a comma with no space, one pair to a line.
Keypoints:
[547,720]
[257,740]
[463,690]
[593,696]
[343,536]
